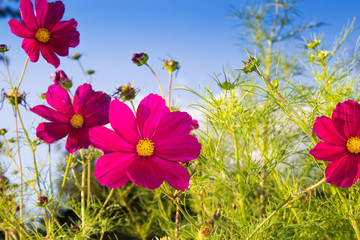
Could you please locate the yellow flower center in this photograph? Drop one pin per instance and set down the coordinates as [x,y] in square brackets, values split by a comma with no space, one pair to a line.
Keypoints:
[42,35]
[353,144]
[145,147]
[77,121]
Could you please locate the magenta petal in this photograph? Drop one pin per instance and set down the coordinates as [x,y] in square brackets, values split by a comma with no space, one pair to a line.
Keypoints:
[107,141]
[66,30]
[50,132]
[328,152]
[40,12]
[27,14]
[58,98]
[49,55]
[172,139]
[94,106]
[149,114]
[59,46]
[50,114]
[346,117]
[110,169]
[175,174]
[343,172]
[19,29]
[145,172]
[326,131]
[78,138]
[55,11]
[123,121]
[82,95]
[32,48]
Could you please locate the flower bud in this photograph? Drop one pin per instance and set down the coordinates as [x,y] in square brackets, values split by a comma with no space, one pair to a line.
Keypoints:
[11,97]
[3,48]
[76,56]
[195,124]
[140,58]
[210,222]
[204,232]
[61,79]
[90,72]
[42,96]
[75,228]
[217,214]
[41,200]
[312,44]
[126,92]
[170,65]
[3,131]
[250,65]
[233,206]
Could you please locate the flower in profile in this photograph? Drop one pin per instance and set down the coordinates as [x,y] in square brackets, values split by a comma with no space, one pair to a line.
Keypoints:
[44,32]
[61,79]
[194,124]
[72,119]
[126,92]
[145,149]
[170,65]
[140,58]
[341,144]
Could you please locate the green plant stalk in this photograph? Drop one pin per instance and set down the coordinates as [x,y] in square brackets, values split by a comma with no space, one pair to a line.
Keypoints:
[8,72]
[19,158]
[23,73]
[292,198]
[169,93]
[351,215]
[185,214]
[82,71]
[47,225]
[83,179]
[31,148]
[64,180]
[157,79]
[88,182]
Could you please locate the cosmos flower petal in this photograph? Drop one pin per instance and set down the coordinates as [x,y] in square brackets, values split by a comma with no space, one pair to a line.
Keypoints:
[27,14]
[59,46]
[19,29]
[123,121]
[110,169]
[49,55]
[78,138]
[145,172]
[326,131]
[343,172]
[40,12]
[55,11]
[50,114]
[175,174]
[328,152]
[107,141]
[149,114]
[346,117]
[66,30]
[58,98]
[50,132]
[32,49]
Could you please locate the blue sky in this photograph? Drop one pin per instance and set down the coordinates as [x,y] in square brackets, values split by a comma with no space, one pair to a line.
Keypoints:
[198,33]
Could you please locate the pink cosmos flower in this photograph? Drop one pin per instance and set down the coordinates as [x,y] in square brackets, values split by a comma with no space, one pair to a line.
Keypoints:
[145,149]
[44,32]
[341,144]
[195,124]
[89,109]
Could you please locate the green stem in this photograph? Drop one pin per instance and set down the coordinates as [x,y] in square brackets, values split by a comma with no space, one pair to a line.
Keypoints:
[169,93]
[351,216]
[88,181]
[185,214]
[83,71]
[83,179]
[23,73]
[237,158]
[157,79]
[8,72]
[292,198]
[64,180]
